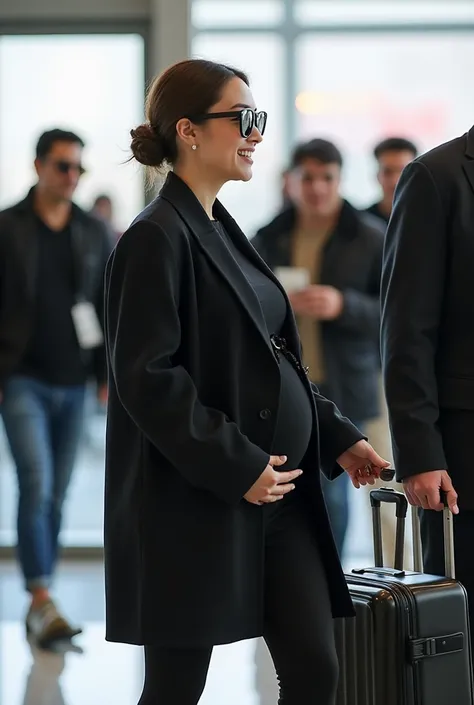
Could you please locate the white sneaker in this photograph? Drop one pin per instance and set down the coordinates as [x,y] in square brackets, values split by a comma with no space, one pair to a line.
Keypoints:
[46,625]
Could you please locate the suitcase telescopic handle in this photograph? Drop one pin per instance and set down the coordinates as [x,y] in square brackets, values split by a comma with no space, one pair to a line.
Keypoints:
[448,533]
[387,494]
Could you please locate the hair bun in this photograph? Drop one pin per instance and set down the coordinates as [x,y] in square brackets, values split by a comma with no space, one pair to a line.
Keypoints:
[147,147]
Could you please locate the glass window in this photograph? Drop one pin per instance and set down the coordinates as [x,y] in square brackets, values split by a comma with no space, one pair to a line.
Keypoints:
[94,86]
[346,12]
[262,57]
[379,85]
[240,13]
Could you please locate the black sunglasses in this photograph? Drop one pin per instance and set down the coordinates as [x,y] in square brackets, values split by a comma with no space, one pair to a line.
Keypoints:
[64,167]
[248,119]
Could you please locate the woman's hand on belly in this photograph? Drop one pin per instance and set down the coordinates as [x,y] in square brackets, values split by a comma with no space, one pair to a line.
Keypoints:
[272,486]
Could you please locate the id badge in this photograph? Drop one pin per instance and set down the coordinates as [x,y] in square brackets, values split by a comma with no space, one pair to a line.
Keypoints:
[88,329]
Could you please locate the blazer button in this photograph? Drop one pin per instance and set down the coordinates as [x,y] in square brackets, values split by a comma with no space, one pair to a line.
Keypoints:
[265,414]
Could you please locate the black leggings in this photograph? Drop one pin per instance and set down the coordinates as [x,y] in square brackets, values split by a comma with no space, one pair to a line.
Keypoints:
[298,626]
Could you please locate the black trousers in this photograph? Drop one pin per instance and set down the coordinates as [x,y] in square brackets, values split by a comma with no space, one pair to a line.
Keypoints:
[298,627]
[433,550]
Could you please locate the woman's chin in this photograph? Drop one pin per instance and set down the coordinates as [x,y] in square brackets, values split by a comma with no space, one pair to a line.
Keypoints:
[246,174]
[240,173]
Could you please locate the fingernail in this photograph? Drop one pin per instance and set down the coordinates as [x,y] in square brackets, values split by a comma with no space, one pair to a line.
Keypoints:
[455,509]
[284,458]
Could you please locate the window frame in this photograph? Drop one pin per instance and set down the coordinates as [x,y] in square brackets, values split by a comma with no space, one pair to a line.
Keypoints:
[291,31]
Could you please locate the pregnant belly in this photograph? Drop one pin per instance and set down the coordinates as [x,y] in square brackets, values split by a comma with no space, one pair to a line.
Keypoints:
[295,417]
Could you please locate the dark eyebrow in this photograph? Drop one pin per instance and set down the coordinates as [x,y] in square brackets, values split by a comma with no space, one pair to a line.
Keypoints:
[241,105]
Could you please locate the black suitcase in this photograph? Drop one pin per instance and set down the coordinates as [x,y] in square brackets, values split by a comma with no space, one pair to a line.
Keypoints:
[409,643]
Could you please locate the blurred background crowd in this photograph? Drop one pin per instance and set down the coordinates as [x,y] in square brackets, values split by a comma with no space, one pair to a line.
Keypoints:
[349,71]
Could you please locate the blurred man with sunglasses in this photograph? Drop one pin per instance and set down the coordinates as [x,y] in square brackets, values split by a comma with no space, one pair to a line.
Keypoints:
[52,261]
[328,256]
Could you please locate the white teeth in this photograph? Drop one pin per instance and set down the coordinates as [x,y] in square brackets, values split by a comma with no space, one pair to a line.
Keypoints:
[245,153]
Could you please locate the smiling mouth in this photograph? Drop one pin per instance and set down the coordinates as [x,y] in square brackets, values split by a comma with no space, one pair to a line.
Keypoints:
[246,154]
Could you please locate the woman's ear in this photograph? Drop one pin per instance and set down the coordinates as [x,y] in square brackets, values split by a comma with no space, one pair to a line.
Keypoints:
[186,132]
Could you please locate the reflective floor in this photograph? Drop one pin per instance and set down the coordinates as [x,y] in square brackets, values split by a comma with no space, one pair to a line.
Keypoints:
[32,677]
[99,673]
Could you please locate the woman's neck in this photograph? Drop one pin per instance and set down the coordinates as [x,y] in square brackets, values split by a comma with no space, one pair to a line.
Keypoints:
[205,190]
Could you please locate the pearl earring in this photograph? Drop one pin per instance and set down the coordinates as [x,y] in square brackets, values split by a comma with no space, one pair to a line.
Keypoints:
[194,146]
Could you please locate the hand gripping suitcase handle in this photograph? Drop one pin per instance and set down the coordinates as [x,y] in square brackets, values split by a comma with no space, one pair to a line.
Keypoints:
[448,532]
[386,494]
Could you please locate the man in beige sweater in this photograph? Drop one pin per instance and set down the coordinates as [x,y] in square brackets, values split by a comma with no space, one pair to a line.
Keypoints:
[328,255]
[393,154]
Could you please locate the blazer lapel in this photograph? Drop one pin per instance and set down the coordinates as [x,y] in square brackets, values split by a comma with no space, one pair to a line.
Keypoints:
[468,165]
[176,192]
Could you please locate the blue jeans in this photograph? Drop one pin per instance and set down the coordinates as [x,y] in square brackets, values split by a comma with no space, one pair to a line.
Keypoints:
[43,425]
[336,495]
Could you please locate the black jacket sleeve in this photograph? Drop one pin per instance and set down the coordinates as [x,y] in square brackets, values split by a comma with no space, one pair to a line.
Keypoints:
[14,303]
[99,356]
[337,434]
[412,298]
[143,334]
[361,311]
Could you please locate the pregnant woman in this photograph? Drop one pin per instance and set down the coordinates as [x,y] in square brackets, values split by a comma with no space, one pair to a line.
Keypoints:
[215,527]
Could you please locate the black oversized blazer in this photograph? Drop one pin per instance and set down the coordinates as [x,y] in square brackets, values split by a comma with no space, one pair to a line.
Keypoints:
[194,391]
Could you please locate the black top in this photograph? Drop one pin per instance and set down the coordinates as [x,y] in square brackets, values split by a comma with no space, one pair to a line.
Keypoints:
[53,354]
[377,211]
[294,423]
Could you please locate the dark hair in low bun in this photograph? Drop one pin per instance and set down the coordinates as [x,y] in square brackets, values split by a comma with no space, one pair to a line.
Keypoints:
[185,89]
[146,146]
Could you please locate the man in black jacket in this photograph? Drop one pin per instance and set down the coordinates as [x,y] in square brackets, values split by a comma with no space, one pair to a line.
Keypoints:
[428,344]
[52,262]
[336,252]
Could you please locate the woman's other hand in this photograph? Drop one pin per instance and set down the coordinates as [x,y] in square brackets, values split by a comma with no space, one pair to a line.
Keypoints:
[272,485]
[362,463]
